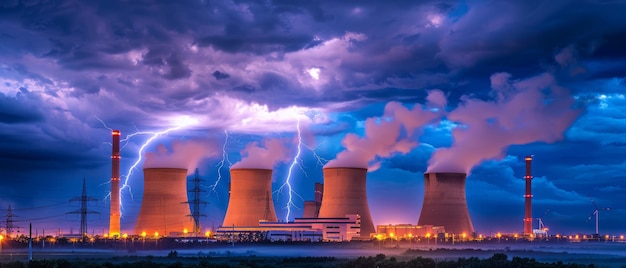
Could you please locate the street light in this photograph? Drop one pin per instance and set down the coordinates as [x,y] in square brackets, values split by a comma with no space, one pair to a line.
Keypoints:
[143,235]
[207,234]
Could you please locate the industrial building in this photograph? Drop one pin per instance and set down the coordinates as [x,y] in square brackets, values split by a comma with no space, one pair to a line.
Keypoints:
[301,229]
[250,198]
[408,231]
[345,193]
[163,211]
[114,210]
[445,203]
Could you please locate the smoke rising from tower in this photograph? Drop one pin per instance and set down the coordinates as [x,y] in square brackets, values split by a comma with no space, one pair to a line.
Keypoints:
[384,135]
[181,154]
[266,156]
[525,111]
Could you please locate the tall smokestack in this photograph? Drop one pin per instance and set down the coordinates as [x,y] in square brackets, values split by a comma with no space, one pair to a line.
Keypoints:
[114,216]
[445,203]
[528,215]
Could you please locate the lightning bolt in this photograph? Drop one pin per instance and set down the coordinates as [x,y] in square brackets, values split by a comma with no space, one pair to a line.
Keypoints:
[180,123]
[296,161]
[221,164]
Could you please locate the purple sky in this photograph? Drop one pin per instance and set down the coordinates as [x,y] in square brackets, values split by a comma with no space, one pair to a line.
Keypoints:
[401,87]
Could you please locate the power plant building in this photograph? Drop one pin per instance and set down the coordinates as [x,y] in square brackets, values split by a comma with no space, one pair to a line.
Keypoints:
[345,193]
[162,211]
[445,203]
[250,198]
[408,231]
[301,229]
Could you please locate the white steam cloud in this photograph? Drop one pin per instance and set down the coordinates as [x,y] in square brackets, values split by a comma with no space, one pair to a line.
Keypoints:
[266,156]
[536,109]
[181,154]
[384,136]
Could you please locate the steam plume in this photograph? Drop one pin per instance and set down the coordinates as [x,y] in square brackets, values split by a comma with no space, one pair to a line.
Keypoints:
[264,157]
[384,136]
[183,154]
[531,110]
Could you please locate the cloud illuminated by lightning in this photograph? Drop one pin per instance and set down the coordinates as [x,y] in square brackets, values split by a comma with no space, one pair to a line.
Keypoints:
[221,164]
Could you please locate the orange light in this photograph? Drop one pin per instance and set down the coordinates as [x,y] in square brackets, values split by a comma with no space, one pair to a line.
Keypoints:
[499,235]
[185,231]
[208,233]
[156,234]
[428,235]
[515,235]
[143,234]
[125,235]
[464,235]
[621,237]
[115,132]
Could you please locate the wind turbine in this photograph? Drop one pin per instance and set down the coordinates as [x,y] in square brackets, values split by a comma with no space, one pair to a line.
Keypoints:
[597,213]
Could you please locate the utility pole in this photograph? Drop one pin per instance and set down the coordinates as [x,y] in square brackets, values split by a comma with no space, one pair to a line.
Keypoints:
[196,201]
[83,211]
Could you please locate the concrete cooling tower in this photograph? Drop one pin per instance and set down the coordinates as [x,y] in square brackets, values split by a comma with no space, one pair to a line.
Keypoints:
[310,209]
[345,193]
[250,198]
[162,209]
[445,204]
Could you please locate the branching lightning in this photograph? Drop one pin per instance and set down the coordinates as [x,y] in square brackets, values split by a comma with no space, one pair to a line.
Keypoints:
[180,123]
[221,164]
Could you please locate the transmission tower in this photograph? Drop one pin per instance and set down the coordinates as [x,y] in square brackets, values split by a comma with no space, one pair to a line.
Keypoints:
[196,202]
[83,211]
[10,222]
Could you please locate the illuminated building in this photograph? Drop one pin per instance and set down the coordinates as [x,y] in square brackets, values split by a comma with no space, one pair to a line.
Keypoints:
[408,231]
[301,229]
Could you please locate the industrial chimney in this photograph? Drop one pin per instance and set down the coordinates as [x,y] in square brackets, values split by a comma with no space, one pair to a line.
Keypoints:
[250,198]
[114,212]
[162,208]
[528,215]
[345,193]
[445,203]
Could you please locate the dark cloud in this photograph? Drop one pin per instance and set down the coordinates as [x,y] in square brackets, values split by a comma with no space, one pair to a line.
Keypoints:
[220,75]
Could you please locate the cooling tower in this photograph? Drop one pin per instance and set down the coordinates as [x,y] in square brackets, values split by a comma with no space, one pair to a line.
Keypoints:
[114,210]
[445,204]
[310,209]
[162,209]
[250,198]
[345,193]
